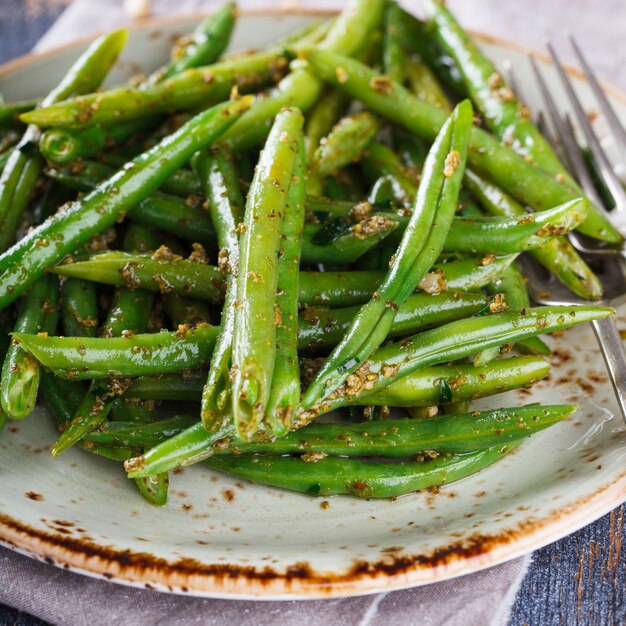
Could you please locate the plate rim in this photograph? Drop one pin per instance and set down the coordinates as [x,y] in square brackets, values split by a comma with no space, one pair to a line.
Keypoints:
[299,581]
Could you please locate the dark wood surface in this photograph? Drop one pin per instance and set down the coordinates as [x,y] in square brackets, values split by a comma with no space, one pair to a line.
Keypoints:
[578,580]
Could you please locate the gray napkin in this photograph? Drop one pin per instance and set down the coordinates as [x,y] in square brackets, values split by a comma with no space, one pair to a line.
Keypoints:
[65,598]
[68,599]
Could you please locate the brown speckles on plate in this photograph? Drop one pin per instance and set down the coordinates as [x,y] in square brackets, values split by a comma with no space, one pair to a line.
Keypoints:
[35,496]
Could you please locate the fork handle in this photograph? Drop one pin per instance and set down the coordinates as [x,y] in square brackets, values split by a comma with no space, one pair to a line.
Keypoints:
[612,347]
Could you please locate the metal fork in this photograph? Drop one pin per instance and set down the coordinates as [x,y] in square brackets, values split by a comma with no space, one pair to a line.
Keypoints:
[572,152]
[544,288]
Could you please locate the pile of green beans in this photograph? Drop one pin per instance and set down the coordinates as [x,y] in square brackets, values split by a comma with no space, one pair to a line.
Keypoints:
[344,243]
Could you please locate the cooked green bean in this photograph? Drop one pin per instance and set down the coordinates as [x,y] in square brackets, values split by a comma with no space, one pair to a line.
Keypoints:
[421,244]
[79,308]
[397,438]
[345,143]
[342,242]
[203,46]
[558,256]
[284,396]
[226,206]
[454,341]
[508,169]
[65,145]
[20,372]
[419,389]
[254,337]
[363,479]
[320,328]
[196,87]
[321,118]
[24,164]
[503,113]
[67,230]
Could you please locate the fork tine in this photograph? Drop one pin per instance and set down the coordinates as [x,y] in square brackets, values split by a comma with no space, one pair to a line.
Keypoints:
[582,171]
[606,171]
[567,139]
[616,126]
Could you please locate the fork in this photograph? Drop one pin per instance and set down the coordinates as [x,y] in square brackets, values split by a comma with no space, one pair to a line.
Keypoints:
[543,287]
[572,152]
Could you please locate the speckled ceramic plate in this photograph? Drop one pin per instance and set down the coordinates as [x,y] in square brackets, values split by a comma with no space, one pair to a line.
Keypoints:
[223,537]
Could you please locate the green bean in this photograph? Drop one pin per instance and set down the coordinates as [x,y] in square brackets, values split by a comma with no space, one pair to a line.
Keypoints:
[476,234]
[138,271]
[24,164]
[69,229]
[345,143]
[508,169]
[61,396]
[512,286]
[20,372]
[88,174]
[382,161]
[341,242]
[226,206]
[362,479]
[92,410]
[185,386]
[321,118]
[137,355]
[558,256]
[398,438]
[10,112]
[196,87]
[183,349]
[333,289]
[17,182]
[65,145]
[130,434]
[466,382]
[349,33]
[425,85]
[484,235]
[129,410]
[453,341]
[419,389]
[503,113]
[203,46]
[185,311]
[176,217]
[5,340]
[154,488]
[284,395]
[254,336]
[323,328]
[394,59]
[79,308]
[387,366]
[434,209]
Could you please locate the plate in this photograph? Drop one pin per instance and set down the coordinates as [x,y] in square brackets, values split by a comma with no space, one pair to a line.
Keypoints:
[221,537]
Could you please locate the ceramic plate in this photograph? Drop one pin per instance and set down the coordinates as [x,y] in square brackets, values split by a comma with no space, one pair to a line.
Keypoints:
[223,537]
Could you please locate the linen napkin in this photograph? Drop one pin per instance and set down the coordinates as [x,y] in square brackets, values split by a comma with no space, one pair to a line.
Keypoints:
[69,599]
